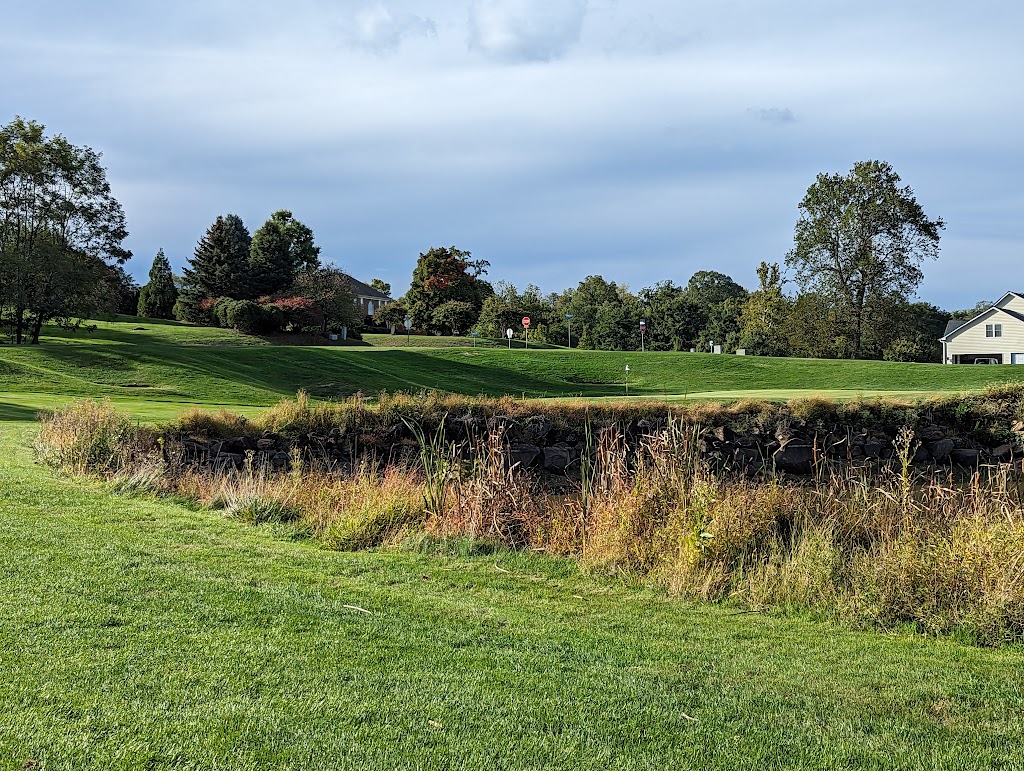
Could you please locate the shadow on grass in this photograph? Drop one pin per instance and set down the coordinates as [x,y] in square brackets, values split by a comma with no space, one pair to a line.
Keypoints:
[18,412]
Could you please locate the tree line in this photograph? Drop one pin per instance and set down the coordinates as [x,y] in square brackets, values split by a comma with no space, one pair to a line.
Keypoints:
[860,242]
[859,246]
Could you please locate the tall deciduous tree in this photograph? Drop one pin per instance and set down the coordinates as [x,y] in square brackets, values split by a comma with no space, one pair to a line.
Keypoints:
[330,288]
[860,240]
[281,248]
[443,274]
[157,298]
[763,317]
[61,229]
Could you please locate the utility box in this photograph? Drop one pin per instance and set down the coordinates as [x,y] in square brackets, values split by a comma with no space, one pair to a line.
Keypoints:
[741,351]
[717,349]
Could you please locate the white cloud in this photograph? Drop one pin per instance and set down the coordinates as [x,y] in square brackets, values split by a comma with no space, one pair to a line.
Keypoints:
[380,31]
[525,30]
[775,115]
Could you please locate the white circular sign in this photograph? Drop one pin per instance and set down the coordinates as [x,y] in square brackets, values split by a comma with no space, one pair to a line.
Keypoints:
[508,333]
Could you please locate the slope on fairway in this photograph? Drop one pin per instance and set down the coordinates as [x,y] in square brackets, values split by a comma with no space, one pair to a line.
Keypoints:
[138,633]
[160,362]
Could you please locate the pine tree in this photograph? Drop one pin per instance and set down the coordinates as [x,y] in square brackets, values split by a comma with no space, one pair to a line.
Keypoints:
[280,249]
[157,298]
[220,266]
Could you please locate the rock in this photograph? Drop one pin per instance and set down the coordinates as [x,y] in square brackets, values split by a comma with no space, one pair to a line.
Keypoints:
[794,457]
[245,443]
[1003,452]
[536,428]
[523,455]
[746,455]
[557,458]
[265,444]
[921,455]
[941,449]
[227,460]
[931,433]
[872,448]
[837,445]
[723,434]
[965,457]
[279,459]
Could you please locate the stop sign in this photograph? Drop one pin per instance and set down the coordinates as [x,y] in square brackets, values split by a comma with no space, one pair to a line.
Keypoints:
[526,321]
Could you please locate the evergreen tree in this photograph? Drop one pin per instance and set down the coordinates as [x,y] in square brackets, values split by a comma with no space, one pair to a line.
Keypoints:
[220,266]
[158,296]
[281,248]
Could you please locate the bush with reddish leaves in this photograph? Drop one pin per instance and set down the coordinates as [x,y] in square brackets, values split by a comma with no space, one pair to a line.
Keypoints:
[299,313]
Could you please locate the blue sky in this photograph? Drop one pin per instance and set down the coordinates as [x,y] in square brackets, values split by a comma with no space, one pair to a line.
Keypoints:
[642,140]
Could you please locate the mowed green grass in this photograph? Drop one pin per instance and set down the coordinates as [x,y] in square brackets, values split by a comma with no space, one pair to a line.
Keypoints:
[151,366]
[141,633]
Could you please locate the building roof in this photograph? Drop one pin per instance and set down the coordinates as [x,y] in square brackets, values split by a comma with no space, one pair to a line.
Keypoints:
[955,325]
[359,289]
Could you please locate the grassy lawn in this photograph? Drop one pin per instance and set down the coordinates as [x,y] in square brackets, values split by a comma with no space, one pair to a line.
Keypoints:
[151,366]
[140,633]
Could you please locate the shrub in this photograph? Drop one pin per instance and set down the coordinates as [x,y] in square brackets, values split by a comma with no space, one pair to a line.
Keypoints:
[248,317]
[299,313]
[92,436]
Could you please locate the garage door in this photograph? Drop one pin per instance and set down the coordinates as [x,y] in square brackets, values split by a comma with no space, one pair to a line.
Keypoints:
[1017,358]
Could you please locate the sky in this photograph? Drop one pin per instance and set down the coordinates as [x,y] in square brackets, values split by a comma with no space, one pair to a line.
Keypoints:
[642,140]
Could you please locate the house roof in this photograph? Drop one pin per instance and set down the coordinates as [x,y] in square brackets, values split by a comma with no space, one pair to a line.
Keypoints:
[955,325]
[359,289]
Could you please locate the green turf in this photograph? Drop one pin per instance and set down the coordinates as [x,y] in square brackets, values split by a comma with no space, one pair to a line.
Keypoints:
[143,362]
[142,634]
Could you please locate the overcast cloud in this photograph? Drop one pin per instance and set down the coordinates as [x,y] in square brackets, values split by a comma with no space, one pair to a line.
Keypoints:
[642,140]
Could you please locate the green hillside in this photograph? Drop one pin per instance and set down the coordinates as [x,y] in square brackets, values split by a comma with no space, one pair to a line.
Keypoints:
[147,364]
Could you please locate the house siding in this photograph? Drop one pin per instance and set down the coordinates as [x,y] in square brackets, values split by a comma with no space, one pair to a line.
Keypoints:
[1012,302]
[970,339]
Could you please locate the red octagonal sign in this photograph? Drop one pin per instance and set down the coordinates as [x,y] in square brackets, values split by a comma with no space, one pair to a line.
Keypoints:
[526,321]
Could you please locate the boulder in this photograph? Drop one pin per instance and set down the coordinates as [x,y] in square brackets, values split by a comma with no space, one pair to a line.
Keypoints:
[536,428]
[522,454]
[266,444]
[557,458]
[227,460]
[931,433]
[1003,452]
[723,434]
[941,449]
[964,456]
[795,457]
[872,448]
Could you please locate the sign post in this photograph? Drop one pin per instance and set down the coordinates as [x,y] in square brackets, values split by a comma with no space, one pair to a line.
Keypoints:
[408,326]
[526,326]
[627,380]
[643,328]
[508,334]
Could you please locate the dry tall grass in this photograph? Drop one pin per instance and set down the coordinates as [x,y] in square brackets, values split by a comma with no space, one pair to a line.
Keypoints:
[943,554]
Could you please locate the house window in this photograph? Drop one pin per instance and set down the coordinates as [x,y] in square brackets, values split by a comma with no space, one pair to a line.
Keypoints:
[993,330]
